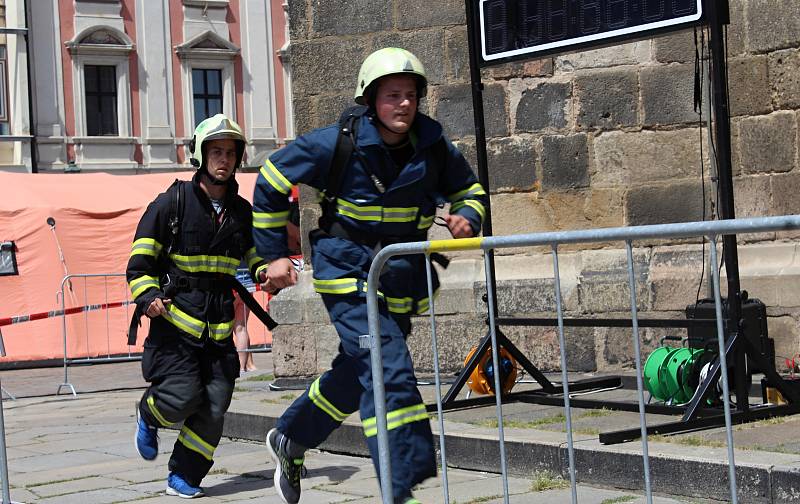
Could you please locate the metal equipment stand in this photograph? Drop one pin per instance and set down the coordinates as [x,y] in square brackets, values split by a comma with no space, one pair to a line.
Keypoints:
[697,414]
[738,349]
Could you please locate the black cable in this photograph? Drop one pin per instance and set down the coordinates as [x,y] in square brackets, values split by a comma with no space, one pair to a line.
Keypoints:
[698,68]
[728,108]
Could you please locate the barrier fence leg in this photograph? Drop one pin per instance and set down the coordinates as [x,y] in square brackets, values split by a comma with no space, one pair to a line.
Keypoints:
[379,393]
[4,458]
[66,382]
[435,343]
[724,369]
[498,390]
[564,377]
[639,385]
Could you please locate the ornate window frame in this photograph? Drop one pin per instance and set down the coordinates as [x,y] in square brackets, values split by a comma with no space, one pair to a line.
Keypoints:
[101,45]
[207,50]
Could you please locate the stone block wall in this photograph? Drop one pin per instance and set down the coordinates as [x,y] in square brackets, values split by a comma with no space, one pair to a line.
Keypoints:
[599,138]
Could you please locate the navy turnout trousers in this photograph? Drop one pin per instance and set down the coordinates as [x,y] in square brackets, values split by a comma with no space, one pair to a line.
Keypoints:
[347,387]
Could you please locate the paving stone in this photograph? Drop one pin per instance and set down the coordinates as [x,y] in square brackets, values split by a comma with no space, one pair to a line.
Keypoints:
[77,485]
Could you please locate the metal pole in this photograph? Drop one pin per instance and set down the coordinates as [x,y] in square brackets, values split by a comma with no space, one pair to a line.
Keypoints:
[376,359]
[719,16]
[564,376]
[498,387]
[435,344]
[31,119]
[724,369]
[4,457]
[639,385]
[480,135]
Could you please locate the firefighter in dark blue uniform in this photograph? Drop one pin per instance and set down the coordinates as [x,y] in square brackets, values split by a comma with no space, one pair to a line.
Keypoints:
[401,169]
[187,247]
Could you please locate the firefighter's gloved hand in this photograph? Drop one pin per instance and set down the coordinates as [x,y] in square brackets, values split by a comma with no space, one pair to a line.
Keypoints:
[459,226]
[158,307]
[280,274]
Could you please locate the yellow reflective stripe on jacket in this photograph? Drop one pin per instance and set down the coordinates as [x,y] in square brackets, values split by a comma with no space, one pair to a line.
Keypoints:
[220,331]
[324,404]
[396,418]
[151,405]
[399,214]
[474,190]
[261,268]
[184,321]
[141,284]
[206,263]
[195,443]
[275,178]
[425,222]
[146,246]
[376,213]
[399,305]
[477,206]
[251,257]
[268,220]
[336,286]
[363,213]
[474,204]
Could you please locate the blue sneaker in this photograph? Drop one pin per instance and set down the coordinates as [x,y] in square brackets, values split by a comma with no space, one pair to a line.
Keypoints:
[178,486]
[146,441]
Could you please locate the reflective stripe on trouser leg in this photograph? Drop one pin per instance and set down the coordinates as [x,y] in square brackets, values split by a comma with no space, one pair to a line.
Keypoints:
[192,455]
[170,364]
[411,441]
[322,408]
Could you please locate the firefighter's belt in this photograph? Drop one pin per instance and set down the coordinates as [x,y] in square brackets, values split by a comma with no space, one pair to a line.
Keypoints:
[221,283]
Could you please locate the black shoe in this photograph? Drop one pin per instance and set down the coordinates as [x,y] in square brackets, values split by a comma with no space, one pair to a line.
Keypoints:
[288,471]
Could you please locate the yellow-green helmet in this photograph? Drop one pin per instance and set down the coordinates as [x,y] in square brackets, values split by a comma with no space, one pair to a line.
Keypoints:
[215,128]
[389,61]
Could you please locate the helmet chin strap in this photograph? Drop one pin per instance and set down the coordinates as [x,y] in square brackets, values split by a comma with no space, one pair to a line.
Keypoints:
[215,181]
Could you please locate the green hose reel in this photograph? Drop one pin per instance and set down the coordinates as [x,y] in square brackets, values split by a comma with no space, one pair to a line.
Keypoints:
[670,374]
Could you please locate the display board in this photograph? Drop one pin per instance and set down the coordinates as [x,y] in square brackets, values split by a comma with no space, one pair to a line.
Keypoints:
[524,29]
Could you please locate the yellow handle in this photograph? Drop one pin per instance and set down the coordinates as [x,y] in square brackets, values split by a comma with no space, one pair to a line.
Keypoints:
[458,244]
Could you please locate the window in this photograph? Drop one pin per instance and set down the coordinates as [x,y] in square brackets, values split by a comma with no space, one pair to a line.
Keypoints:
[207,75]
[101,84]
[101,100]
[206,93]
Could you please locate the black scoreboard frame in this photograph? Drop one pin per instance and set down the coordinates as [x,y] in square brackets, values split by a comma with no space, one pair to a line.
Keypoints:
[613,22]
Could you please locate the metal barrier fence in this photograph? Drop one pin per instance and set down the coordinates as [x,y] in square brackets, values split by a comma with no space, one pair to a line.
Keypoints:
[628,235]
[109,356]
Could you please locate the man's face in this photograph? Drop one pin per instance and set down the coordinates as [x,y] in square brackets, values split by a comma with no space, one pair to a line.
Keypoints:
[220,158]
[396,102]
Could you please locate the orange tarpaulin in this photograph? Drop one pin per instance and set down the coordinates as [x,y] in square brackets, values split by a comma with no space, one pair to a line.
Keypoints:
[95,219]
